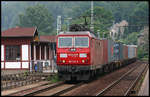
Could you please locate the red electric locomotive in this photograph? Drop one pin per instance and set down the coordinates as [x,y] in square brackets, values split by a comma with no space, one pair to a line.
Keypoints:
[76,56]
[80,55]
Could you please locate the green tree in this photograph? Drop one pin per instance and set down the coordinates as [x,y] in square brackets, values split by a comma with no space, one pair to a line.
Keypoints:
[131,39]
[125,34]
[139,17]
[145,46]
[38,16]
[103,20]
[121,10]
[119,34]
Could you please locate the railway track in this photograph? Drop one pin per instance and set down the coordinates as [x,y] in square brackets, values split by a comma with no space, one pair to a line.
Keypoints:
[125,83]
[68,89]
[38,89]
[48,89]
[121,84]
[59,90]
[95,87]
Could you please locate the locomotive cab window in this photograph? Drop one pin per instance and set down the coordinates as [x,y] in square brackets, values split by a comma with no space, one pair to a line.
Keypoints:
[65,42]
[81,42]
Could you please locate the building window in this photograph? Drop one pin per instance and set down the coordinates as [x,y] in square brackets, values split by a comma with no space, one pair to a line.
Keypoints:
[13,52]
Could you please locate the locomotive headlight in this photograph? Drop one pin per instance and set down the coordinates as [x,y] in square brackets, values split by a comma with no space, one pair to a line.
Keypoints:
[83,61]
[63,61]
[63,55]
[83,55]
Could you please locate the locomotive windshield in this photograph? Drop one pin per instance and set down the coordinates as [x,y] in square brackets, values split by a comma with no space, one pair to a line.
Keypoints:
[68,42]
[81,41]
[65,42]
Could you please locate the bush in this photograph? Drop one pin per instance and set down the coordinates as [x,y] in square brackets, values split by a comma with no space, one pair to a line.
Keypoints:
[53,78]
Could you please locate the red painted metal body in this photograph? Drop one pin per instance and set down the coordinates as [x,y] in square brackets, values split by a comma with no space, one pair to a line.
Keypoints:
[73,56]
[96,53]
[99,58]
[99,54]
[105,53]
[125,51]
[96,57]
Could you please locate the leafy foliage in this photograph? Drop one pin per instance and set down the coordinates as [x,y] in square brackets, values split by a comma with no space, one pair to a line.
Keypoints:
[121,10]
[44,15]
[103,20]
[139,17]
[131,39]
[37,16]
[53,78]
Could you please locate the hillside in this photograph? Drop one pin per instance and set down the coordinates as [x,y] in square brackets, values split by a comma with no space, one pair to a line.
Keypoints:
[121,10]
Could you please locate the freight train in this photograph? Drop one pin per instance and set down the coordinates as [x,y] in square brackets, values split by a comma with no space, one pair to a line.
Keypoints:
[81,55]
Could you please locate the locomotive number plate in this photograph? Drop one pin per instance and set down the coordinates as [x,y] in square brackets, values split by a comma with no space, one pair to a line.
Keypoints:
[73,55]
[73,61]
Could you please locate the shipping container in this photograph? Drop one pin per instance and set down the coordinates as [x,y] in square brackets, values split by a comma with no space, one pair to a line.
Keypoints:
[96,52]
[132,51]
[116,51]
[136,51]
[110,50]
[121,51]
[125,51]
[105,51]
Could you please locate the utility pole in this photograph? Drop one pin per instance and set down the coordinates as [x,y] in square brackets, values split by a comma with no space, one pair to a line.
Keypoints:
[68,23]
[58,24]
[92,26]
[98,34]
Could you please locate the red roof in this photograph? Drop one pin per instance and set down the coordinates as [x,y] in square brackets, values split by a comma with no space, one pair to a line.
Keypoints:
[47,38]
[19,32]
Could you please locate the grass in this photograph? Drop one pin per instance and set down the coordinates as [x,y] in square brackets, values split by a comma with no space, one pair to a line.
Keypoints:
[145,59]
[53,78]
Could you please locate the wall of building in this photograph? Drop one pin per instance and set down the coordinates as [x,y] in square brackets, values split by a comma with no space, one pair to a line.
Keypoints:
[25,49]
[23,63]
[28,55]
[2,56]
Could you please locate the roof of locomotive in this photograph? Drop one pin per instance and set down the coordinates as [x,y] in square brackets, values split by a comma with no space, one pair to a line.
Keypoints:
[78,33]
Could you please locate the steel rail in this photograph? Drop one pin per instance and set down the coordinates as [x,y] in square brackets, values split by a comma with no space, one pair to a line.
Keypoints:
[115,82]
[135,81]
[35,90]
[45,89]
[68,89]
